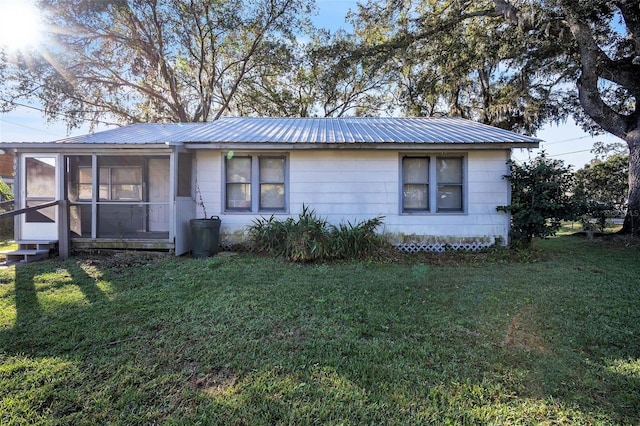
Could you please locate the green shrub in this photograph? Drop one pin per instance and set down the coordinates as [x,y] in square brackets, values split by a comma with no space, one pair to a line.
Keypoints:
[359,240]
[311,238]
[6,193]
[6,224]
[540,198]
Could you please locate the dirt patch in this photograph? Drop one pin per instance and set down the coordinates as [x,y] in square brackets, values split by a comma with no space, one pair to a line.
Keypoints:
[294,336]
[522,334]
[118,260]
[214,382]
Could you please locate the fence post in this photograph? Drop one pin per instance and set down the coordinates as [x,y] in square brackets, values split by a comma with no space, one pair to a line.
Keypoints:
[64,241]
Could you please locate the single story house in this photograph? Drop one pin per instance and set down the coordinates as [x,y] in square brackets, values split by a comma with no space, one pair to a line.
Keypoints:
[436,181]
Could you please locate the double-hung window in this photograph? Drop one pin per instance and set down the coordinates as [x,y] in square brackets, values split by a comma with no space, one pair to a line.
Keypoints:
[256,183]
[116,183]
[432,184]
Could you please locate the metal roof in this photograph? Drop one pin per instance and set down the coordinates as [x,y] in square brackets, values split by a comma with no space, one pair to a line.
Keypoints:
[308,131]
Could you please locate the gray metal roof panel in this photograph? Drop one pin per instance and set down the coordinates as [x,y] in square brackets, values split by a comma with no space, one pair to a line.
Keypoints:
[307,131]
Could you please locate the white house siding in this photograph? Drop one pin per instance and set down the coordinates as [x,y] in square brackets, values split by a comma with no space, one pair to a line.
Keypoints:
[353,185]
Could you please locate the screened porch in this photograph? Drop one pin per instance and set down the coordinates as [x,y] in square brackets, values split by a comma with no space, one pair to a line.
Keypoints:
[120,198]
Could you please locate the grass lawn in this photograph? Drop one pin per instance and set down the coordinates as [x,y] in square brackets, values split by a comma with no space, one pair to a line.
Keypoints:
[551,337]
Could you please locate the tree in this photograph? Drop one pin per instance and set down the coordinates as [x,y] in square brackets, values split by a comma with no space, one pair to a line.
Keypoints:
[540,198]
[531,61]
[312,82]
[153,60]
[605,182]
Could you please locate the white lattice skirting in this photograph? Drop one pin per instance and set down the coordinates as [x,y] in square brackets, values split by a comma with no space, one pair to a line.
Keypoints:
[442,247]
[403,247]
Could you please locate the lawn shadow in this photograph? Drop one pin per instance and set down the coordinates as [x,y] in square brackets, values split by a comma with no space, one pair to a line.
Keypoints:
[87,284]
[28,308]
[34,325]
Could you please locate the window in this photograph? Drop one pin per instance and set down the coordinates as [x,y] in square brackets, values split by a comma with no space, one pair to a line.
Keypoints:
[429,181]
[246,175]
[84,183]
[449,176]
[116,183]
[415,178]
[40,188]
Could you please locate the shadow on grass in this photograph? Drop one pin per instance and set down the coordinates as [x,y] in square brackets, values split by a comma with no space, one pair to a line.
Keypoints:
[355,343]
[45,295]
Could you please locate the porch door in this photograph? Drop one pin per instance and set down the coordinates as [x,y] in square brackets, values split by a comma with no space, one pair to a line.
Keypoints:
[158,193]
[39,183]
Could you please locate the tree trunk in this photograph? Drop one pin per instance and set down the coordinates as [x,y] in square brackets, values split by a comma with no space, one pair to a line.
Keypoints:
[632,219]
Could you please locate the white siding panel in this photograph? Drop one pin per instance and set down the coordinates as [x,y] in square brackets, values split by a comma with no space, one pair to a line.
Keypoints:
[208,183]
[353,185]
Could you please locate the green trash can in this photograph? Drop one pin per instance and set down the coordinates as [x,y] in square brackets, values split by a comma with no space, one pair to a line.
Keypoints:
[205,236]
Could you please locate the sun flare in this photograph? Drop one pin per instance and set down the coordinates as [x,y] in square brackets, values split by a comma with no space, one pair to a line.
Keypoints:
[20,24]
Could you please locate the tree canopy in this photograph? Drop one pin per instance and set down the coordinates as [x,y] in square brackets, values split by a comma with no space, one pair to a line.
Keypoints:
[155,60]
[516,64]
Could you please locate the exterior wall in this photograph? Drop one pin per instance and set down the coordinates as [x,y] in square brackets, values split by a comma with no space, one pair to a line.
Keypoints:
[354,185]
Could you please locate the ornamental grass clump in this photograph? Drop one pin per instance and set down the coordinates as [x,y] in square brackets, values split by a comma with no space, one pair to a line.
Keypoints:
[311,238]
[357,240]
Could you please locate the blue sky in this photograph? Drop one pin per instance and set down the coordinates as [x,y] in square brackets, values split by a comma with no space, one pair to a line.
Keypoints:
[566,142]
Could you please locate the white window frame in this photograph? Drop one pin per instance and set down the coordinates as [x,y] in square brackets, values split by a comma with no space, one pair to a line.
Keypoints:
[255,183]
[434,184]
[108,186]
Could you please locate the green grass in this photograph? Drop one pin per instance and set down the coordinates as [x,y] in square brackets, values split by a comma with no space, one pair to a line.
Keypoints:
[549,337]
[6,246]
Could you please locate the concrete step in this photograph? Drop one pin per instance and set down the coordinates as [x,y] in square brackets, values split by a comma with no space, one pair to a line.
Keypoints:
[26,255]
[37,244]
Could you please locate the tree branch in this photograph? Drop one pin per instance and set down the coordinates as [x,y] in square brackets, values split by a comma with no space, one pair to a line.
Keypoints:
[591,59]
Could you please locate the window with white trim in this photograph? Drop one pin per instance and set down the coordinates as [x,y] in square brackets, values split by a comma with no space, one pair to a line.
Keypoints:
[432,184]
[255,183]
[116,183]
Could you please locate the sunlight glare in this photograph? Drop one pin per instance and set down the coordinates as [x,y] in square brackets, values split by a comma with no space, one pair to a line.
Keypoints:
[20,24]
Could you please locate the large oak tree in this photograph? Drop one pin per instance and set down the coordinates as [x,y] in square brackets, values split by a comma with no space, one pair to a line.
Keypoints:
[515,63]
[152,60]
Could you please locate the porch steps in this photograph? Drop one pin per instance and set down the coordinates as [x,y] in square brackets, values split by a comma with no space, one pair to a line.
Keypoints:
[31,250]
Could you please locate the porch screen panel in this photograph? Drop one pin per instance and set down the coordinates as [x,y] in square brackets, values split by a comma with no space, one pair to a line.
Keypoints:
[40,188]
[415,184]
[184,175]
[238,183]
[120,220]
[272,178]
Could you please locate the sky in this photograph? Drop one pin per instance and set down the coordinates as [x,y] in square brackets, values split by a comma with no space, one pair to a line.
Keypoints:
[566,142]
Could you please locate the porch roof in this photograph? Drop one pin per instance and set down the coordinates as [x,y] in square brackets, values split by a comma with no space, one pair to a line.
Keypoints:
[352,130]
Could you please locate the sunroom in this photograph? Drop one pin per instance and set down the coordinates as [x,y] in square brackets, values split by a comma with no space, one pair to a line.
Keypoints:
[114,199]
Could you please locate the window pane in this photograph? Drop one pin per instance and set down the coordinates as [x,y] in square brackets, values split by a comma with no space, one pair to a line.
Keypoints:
[239,169]
[84,191]
[84,175]
[415,197]
[126,183]
[449,170]
[238,196]
[41,177]
[272,196]
[84,183]
[45,215]
[129,175]
[104,178]
[271,169]
[450,198]
[126,192]
[415,170]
